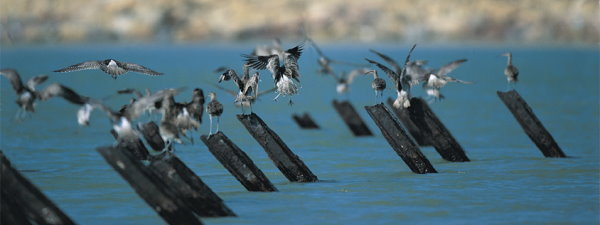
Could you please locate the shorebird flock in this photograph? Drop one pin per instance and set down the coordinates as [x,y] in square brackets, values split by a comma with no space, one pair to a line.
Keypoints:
[179,118]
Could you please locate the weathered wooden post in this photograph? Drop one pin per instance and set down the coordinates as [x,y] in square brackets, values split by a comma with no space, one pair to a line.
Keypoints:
[237,163]
[352,118]
[148,186]
[401,143]
[189,187]
[22,202]
[404,115]
[288,163]
[151,133]
[305,121]
[442,140]
[531,124]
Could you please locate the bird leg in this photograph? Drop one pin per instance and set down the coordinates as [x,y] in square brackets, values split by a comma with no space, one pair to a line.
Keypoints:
[291,102]
[275,99]
[210,131]
[218,121]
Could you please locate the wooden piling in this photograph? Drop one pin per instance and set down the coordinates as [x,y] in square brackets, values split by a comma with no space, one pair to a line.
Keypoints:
[531,124]
[404,116]
[305,121]
[148,186]
[237,163]
[352,118]
[442,140]
[23,202]
[190,188]
[151,133]
[402,144]
[288,163]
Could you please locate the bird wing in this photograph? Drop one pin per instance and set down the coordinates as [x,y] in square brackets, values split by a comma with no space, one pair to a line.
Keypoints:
[291,62]
[442,71]
[354,73]
[34,81]
[89,65]
[138,68]
[231,92]
[135,109]
[15,79]
[393,75]
[295,51]
[257,62]
[67,93]
[316,47]
[221,69]
[266,91]
[251,85]
[389,60]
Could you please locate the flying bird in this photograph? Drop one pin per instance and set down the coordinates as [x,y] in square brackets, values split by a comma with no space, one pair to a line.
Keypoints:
[111,67]
[26,93]
[283,75]
[247,85]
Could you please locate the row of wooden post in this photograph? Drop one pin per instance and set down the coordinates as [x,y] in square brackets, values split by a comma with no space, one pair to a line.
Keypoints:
[180,197]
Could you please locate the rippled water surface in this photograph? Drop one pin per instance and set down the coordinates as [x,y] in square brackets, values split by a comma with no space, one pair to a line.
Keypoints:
[508,180]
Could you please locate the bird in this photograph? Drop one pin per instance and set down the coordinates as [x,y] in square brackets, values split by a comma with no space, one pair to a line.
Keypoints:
[266,50]
[283,75]
[111,67]
[26,94]
[247,85]
[511,72]
[378,84]
[402,82]
[176,120]
[214,109]
[434,81]
[249,101]
[344,80]
[325,62]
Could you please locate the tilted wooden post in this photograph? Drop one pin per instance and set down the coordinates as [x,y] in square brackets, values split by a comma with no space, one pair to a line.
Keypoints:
[151,133]
[22,202]
[305,121]
[149,186]
[441,138]
[399,140]
[288,163]
[237,163]
[189,187]
[352,118]
[422,138]
[530,124]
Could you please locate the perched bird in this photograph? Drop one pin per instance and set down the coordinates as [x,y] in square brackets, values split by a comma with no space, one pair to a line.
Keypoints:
[378,84]
[511,72]
[214,109]
[402,82]
[247,85]
[26,94]
[283,75]
[111,67]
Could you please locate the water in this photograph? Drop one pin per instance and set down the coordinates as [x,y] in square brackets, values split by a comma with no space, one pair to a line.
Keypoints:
[363,180]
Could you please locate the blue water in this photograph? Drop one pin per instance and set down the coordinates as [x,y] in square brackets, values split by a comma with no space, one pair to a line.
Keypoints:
[364,181]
